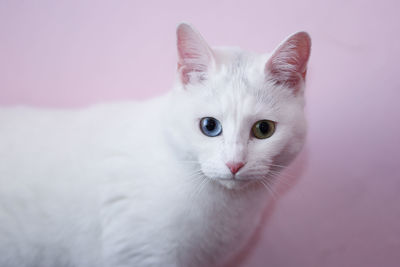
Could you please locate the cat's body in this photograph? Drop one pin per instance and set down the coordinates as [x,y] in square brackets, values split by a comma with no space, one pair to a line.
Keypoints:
[55,217]
[138,184]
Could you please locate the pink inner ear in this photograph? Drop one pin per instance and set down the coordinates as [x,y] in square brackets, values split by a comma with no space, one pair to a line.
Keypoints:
[288,64]
[192,63]
[194,55]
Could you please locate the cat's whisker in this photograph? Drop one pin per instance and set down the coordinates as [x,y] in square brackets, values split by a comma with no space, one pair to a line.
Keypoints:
[272,182]
[198,177]
[284,181]
[199,187]
[195,171]
[268,187]
[206,181]
[276,165]
[269,163]
[265,166]
[280,179]
[285,176]
[284,172]
[189,162]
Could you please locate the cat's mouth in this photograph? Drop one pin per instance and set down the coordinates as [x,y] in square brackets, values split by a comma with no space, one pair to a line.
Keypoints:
[233,183]
[230,181]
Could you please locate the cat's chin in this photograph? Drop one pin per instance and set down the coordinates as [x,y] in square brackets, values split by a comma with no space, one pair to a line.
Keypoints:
[233,184]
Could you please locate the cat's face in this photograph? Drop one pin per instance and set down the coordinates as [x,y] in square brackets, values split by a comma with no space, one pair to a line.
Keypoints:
[238,120]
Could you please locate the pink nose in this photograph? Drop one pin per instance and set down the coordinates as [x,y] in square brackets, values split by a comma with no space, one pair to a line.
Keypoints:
[234,166]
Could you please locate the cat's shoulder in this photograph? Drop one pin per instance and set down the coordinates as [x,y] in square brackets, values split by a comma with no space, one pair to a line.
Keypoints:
[24,113]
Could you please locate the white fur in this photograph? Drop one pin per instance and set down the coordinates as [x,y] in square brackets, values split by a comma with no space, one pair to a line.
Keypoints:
[138,184]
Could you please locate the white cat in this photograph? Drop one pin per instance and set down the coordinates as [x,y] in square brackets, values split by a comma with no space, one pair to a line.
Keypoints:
[175,181]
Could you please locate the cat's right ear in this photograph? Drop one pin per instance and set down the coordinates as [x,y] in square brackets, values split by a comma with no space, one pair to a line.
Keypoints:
[288,64]
[195,56]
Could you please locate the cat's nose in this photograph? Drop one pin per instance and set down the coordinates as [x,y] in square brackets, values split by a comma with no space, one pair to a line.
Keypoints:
[235,166]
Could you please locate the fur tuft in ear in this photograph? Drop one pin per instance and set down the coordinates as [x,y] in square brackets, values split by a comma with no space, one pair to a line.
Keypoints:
[195,56]
[288,63]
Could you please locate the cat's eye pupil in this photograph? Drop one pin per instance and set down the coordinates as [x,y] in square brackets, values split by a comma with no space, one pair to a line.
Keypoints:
[210,126]
[264,127]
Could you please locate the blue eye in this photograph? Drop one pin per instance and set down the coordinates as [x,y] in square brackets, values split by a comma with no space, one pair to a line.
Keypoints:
[210,126]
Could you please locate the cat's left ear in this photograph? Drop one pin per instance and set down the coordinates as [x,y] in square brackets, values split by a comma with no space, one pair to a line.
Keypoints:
[195,56]
[288,63]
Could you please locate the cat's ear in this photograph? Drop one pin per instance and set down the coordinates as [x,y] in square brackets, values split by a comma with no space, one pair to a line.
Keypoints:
[195,56]
[288,63]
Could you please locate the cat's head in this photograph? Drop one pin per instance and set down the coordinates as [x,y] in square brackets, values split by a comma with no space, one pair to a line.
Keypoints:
[238,115]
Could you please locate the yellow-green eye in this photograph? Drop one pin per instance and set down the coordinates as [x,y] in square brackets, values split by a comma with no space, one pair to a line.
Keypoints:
[263,129]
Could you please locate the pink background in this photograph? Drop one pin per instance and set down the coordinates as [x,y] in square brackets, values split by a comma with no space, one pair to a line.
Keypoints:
[345,208]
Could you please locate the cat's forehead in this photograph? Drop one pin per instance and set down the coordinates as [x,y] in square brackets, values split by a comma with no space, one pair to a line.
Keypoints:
[237,100]
[235,62]
[239,82]
[238,87]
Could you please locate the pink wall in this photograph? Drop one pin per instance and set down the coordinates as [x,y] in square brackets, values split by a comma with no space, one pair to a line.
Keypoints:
[345,209]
